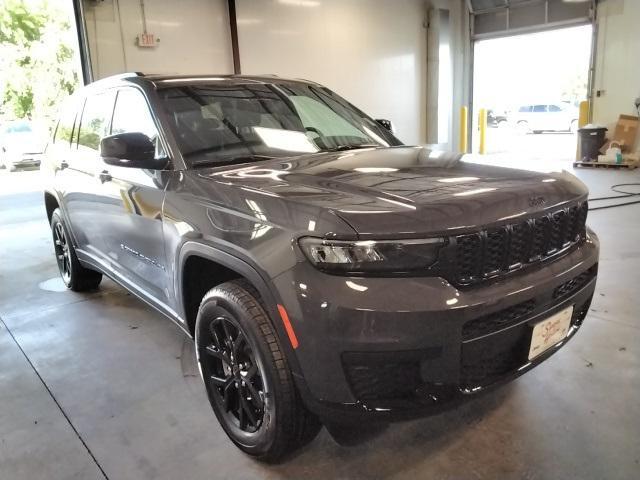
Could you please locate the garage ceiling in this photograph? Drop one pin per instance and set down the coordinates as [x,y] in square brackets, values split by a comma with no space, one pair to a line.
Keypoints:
[494,18]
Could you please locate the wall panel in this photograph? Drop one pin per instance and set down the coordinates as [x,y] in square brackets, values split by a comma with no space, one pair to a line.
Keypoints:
[371,52]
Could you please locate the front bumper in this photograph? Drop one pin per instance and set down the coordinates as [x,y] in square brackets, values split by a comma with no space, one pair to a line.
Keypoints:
[398,348]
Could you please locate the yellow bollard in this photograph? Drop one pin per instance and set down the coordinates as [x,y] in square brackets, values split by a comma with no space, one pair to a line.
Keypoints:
[583,113]
[463,129]
[482,126]
[583,119]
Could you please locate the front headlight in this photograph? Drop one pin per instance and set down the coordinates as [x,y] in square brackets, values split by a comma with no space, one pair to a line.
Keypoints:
[374,257]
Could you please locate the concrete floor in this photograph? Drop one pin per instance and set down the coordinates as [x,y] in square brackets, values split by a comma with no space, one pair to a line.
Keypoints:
[101,386]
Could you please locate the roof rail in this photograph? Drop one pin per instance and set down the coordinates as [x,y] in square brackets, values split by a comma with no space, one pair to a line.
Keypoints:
[119,76]
[127,75]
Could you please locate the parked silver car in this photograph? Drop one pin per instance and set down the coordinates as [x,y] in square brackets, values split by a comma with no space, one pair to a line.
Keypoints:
[551,117]
[21,145]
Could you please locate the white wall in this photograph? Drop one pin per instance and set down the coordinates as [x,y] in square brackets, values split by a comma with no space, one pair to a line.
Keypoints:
[458,59]
[372,52]
[617,61]
[194,36]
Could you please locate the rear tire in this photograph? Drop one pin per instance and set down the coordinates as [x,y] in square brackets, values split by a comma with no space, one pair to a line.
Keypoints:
[74,275]
[573,128]
[247,376]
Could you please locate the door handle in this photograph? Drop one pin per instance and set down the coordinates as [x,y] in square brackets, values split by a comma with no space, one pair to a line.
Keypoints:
[105,176]
[63,165]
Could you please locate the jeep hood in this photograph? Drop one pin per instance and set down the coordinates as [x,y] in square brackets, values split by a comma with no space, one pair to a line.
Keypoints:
[401,191]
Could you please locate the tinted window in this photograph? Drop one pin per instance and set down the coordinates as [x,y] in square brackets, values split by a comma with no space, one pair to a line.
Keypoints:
[525,109]
[95,119]
[554,108]
[131,114]
[540,108]
[226,123]
[64,131]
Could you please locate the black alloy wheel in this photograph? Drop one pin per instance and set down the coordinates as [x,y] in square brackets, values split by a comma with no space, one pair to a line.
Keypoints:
[247,375]
[236,380]
[74,275]
[61,247]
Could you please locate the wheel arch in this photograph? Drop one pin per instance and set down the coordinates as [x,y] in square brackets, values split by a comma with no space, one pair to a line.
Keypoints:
[225,267]
[50,203]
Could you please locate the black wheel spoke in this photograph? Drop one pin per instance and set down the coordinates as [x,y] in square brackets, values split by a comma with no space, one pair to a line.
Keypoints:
[219,354]
[235,380]
[219,381]
[256,399]
[226,396]
[240,340]
[244,405]
[241,416]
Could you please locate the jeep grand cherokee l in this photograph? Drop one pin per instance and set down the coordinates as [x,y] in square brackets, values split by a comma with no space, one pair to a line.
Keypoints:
[327,272]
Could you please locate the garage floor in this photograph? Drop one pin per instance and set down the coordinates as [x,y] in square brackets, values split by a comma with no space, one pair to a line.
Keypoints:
[101,386]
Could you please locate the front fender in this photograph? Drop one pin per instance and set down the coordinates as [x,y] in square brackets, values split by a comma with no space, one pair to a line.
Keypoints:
[258,278]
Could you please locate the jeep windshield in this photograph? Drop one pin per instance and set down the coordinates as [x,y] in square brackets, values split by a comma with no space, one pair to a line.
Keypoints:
[220,124]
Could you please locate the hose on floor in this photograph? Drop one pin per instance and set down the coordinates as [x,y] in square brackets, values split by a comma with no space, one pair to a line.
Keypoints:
[623,194]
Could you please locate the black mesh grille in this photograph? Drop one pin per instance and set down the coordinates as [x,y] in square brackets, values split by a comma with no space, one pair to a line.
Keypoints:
[576,283]
[515,314]
[496,245]
[498,320]
[519,246]
[468,256]
[484,255]
[374,380]
[486,360]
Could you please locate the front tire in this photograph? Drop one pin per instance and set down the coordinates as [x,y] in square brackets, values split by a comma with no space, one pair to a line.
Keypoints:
[74,275]
[247,376]
[523,127]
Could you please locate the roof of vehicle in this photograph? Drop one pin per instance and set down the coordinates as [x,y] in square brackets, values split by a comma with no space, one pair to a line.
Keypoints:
[166,80]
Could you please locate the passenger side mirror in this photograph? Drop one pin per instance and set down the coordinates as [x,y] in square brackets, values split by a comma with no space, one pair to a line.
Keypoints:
[385,123]
[130,149]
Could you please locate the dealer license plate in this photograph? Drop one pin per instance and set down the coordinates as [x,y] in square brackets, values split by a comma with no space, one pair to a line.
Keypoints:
[550,331]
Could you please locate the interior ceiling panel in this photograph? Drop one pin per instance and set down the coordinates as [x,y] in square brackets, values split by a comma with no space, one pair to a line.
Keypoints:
[496,18]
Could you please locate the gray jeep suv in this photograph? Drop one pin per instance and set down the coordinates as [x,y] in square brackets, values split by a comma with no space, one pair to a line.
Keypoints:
[327,272]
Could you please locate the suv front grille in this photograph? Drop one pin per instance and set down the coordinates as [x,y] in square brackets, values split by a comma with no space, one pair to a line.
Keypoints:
[515,314]
[490,253]
[486,360]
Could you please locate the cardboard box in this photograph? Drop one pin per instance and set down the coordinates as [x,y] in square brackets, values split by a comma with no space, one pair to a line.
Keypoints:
[626,131]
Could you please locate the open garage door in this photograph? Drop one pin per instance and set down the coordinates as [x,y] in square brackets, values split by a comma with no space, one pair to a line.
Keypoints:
[493,18]
[531,69]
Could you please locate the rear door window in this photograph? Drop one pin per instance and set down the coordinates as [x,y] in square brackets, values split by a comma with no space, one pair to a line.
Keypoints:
[64,131]
[539,108]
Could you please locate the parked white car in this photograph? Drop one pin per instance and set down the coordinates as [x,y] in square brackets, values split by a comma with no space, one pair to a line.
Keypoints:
[546,117]
[21,145]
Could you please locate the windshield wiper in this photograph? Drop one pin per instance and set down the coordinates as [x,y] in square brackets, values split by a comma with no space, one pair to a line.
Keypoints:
[231,161]
[341,148]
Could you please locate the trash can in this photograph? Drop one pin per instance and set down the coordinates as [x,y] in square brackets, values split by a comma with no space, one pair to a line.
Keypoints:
[591,139]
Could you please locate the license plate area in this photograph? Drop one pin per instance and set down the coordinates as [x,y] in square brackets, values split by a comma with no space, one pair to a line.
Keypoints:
[550,331]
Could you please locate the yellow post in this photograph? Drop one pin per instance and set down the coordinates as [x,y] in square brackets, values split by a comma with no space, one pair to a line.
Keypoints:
[583,113]
[482,126]
[463,129]
[583,119]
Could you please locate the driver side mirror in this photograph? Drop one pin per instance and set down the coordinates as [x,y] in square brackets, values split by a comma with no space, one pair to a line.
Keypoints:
[130,149]
[385,124]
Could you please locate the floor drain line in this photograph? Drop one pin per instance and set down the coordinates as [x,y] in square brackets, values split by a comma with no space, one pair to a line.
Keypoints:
[55,400]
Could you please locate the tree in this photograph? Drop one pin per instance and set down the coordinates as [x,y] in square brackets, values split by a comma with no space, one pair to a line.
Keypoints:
[38,66]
